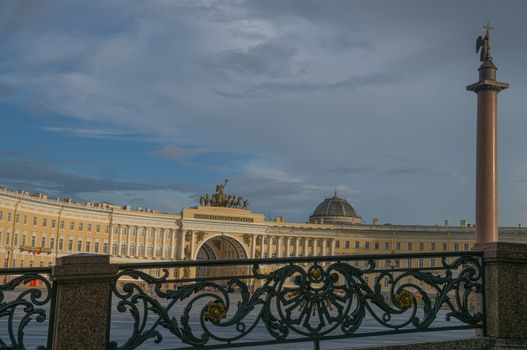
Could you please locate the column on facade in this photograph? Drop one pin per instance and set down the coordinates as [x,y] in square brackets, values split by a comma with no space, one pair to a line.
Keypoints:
[305,246]
[332,252]
[287,239]
[154,242]
[278,246]
[145,242]
[323,246]
[110,243]
[136,229]
[261,246]
[172,243]
[181,245]
[269,242]
[120,239]
[127,228]
[253,246]
[297,242]
[163,243]
[192,245]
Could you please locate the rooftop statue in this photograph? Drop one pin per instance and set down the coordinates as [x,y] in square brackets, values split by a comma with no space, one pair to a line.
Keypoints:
[220,199]
[483,45]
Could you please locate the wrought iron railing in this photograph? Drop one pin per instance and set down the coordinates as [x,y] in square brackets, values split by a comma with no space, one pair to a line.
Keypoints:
[26,296]
[286,300]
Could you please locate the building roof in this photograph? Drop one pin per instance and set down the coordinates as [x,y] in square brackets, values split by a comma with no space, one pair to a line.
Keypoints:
[335,206]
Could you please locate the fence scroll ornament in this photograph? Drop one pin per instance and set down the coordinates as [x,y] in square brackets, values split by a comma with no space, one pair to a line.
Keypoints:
[299,303]
[28,304]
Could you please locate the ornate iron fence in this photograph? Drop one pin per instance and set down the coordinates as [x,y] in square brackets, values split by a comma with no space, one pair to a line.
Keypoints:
[287,300]
[26,295]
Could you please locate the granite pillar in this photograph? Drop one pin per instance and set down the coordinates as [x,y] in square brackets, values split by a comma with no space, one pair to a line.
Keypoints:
[505,290]
[83,300]
[487,89]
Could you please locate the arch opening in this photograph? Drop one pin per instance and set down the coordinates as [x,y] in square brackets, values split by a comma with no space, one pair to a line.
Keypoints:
[221,248]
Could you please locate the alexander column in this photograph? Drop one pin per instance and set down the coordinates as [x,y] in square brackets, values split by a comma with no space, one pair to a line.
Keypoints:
[487,89]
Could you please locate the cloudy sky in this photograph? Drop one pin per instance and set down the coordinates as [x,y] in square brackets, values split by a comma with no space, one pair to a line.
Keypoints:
[154,102]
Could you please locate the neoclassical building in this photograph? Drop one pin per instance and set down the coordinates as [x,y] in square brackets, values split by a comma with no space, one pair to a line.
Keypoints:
[35,230]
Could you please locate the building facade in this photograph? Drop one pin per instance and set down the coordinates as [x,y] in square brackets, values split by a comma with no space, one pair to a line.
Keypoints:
[35,230]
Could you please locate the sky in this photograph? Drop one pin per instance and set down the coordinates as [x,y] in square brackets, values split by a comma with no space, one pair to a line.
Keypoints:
[153,103]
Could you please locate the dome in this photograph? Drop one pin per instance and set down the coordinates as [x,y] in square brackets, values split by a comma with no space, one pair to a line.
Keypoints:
[335,210]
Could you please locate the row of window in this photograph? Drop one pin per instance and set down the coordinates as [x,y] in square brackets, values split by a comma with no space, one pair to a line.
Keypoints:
[141,231]
[409,246]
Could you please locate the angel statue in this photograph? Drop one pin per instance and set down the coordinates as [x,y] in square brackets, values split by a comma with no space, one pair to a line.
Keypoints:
[483,45]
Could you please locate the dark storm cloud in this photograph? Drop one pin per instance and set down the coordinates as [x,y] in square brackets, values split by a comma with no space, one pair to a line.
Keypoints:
[353,170]
[31,175]
[270,59]
[14,13]
[334,85]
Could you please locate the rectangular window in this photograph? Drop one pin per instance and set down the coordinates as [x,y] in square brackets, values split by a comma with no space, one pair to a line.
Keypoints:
[88,246]
[274,240]
[72,225]
[445,247]
[61,244]
[376,245]
[81,226]
[347,245]
[15,239]
[466,247]
[367,245]
[337,244]
[115,230]
[43,242]
[53,223]
[44,222]
[96,247]
[79,246]
[33,241]
[357,244]
[106,229]
[89,227]
[409,263]
[34,220]
[25,219]
[23,239]
[410,246]
[17,219]
[386,245]
[9,217]
[52,243]
[105,248]
[70,245]
[398,246]
[7,238]
[62,224]
[421,246]
[432,262]
[433,247]
[97,228]
[456,247]
[421,263]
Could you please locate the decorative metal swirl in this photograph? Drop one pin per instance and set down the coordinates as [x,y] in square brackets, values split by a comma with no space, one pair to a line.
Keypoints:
[297,303]
[30,304]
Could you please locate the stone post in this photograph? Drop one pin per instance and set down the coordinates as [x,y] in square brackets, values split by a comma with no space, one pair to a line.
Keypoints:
[505,290]
[487,89]
[83,301]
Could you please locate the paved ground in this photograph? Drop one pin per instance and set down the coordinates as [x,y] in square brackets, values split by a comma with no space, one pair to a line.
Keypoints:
[35,334]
